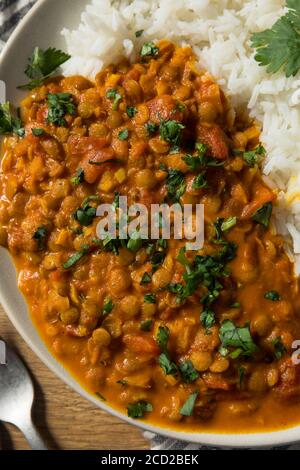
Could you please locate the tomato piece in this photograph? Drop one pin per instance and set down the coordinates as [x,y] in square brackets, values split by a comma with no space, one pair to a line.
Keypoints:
[95,153]
[215,139]
[164,108]
[261,195]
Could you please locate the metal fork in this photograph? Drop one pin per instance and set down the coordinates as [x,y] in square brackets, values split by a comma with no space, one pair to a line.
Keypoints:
[16,396]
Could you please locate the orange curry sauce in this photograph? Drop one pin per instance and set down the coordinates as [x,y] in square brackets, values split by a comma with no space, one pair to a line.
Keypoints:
[208,335]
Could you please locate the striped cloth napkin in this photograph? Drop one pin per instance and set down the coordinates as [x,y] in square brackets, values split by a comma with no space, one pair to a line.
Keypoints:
[11,12]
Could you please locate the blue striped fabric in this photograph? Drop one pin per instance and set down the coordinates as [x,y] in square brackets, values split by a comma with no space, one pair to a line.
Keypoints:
[11,12]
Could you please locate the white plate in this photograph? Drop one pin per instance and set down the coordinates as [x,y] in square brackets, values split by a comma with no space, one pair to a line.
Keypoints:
[41,27]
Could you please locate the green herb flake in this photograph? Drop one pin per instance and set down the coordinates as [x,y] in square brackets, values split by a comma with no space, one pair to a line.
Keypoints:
[279,348]
[171,131]
[139,33]
[151,127]
[237,337]
[241,376]
[99,395]
[149,49]
[208,319]
[188,372]
[78,178]
[200,181]
[176,184]
[278,47]
[42,65]
[146,325]
[131,111]
[41,235]
[157,260]
[272,295]
[162,337]
[169,367]
[235,305]
[263,215]
[8,123]
[85,214]
[188,407]
[227,224]
[59,105]
[254,157]
[122,382]
[146,279]
[135,242]
[74,259]
[114,96]
[38,132]
[150,299]
[138,409]
[200,160]
[123,135]
[108,306]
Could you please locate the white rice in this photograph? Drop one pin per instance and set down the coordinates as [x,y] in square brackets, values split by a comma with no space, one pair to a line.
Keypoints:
[219,31]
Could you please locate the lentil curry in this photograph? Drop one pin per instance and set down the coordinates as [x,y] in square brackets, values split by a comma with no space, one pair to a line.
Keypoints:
[197,341]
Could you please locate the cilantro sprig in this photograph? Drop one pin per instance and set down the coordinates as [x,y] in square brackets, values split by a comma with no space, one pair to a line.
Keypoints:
[278,48]
[42,64]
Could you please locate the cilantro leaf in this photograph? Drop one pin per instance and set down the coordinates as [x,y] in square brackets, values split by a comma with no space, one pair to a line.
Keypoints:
[146,325]
[38,131]
[254,157]
[107,306]
[146,279]
[150,298]
[151,127]
[170,131]
[59,105]
[169,367]
[8,123]
[278,48]
[194,162]
[200,181]
[138,409]
[123,135]
[237,337]
[162,337]
[272,295]
[149,49]
[263,215]
[279,348]
[208,319]
[79,178]
[86,213]
[188,372]
[188,407]
[41,235]
[131,111]
[176,184]
[42,64]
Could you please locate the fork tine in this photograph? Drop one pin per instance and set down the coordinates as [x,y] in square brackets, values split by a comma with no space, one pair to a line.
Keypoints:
[2,352]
